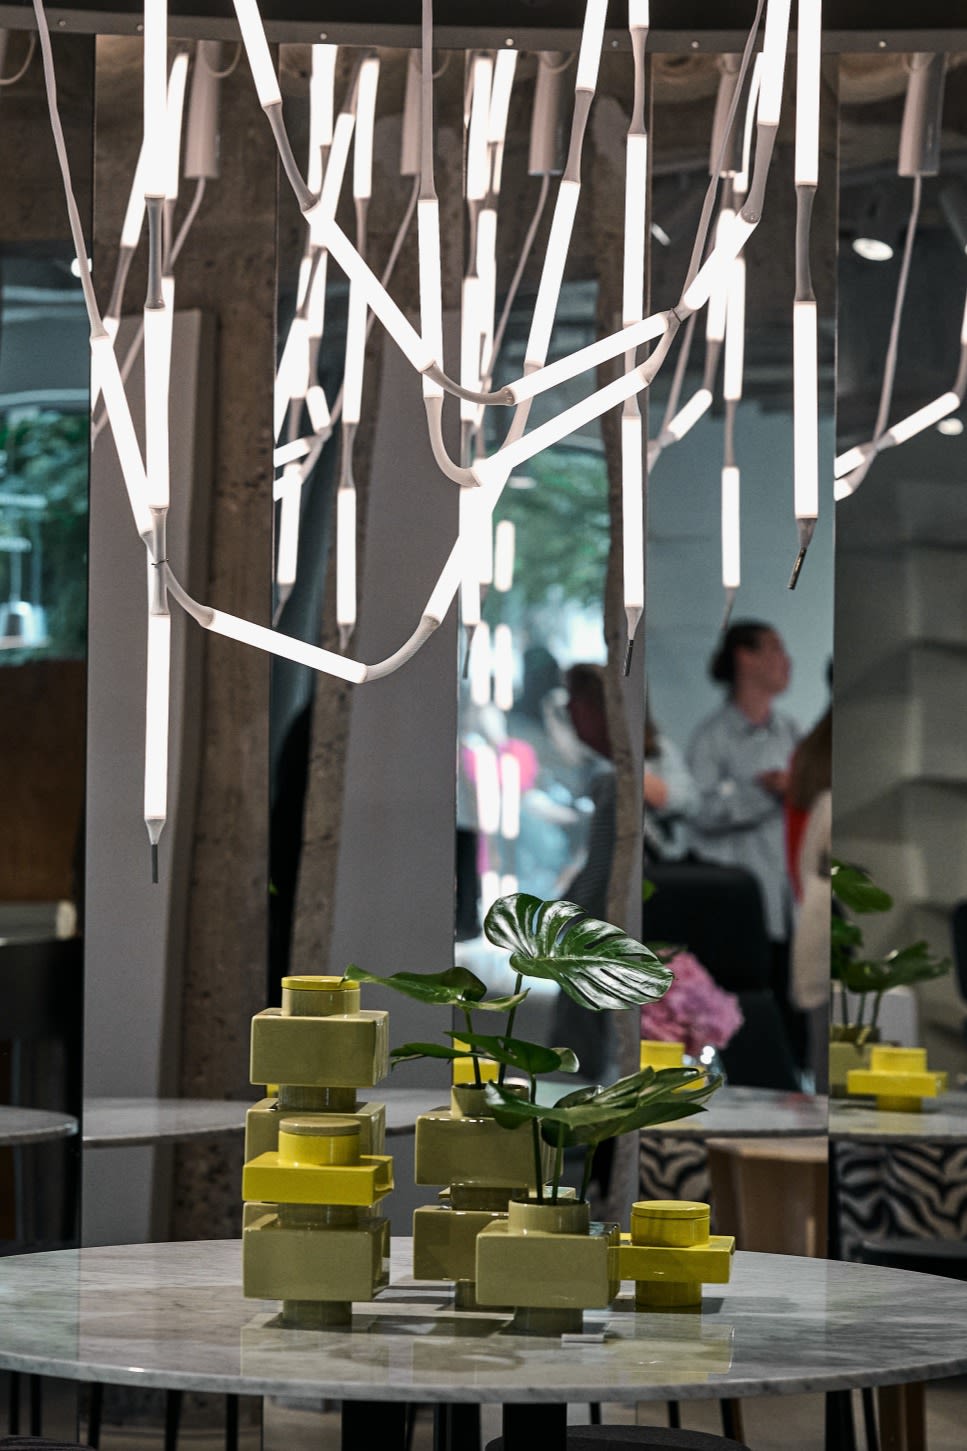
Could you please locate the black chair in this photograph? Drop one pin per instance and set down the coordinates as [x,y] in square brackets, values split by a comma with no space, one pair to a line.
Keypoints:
[639,1438]
[38,1443]
[759,1055]
[945,1257]
[716,912]
[958,933]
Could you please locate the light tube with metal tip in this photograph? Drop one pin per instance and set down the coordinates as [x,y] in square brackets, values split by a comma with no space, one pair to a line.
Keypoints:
[157,364]
[177,81]
[333,178]
[318,407]
[592,356]
[431,294]
[805,410]
[469,527]
[925,417]
[504,547]
[774,41]
[688,415]
[731,536]
[715,271]
[735,333]
[273,641]
[808,59]
[480,665]
[718,300]
[509,797]
[346,585]
[257,51]
[290,496]
[505,68]
[352,388]
[592,39]
[636,179]
[632,531]
[322,84]
[155,96]
[487,789]
[478,160]
[365,125]
[157,697]
[290,452]
[552,275]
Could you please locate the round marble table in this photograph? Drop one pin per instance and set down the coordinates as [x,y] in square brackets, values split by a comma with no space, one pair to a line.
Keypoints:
[752,1113]
[173,1315]
[127,1122]
[33,1126]
[857,1119]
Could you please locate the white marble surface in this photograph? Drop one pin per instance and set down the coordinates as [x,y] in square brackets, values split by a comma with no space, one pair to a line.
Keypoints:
[33,1125]
[173,1315]
[749,1113]
[944,1117]
[124,1122]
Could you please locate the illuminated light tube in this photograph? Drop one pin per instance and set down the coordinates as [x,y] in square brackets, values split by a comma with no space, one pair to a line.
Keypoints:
[636,174]
[157,360]
[378,300]
[293,372]
[734,333]
[478,161]
[687,417]
[134,213]
[471,338]
[290,494]
[276,643]
[509,884]
[451,574]
[290,452]
[485,549]
[842,489]
[592,39]
[731,538]
[740,182]
[105,370]
[963,327]
[627,340]
[489,890]
[509,797]
[319,415]
[346,558]
[257,51]
[846,462]
[302,285]
[505,68]
[158,676]
[487,272]
[155,96]
[352,388]
[808,58]
[316,306]
[480,665]
[774,42]
[632,527]
[487,781]
[718,300]
[639,14]
[923,418]
[504,548]
[497,469]
[552,275]
[469,526]
[715,270]
[503,668]
[333,179]
[177,81]
[365,125]
[431,303]
[322,85]
[805,410]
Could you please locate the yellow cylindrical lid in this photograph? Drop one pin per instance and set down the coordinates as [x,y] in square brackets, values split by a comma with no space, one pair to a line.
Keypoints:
[656,1053]
[674,1223]
[318,997]
[319,1139]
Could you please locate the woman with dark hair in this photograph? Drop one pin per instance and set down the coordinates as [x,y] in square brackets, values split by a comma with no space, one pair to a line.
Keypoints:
[739,758]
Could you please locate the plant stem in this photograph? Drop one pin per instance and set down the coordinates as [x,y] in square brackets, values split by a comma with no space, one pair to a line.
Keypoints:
[843,1003]
[536,1136]
[586,1176]
[478,1081]
[510,1024]
[558,1162]
[877,1003]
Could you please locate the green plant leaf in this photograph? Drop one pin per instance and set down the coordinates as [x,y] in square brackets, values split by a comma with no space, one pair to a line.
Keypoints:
[454,988]
[648,890]
[590,1115]
[409,1052]
[530,1058]
[856,889]
[501,1005]
[596,964]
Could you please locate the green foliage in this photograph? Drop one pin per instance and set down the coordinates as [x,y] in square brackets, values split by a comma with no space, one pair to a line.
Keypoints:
[47,454]
[457,987]
[596,964]
[867,977]
[562,529]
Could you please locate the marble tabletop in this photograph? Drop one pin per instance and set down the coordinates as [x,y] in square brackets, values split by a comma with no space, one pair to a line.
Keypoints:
[126,1122]
[173,1315]
[33,1125]
[750,1113]
[944,1117]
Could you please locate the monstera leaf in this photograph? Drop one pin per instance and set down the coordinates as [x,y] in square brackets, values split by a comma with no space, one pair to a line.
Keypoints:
[457,987]
[529,1058]
[857,890]
[903,968]
[591,1115]
[594,963]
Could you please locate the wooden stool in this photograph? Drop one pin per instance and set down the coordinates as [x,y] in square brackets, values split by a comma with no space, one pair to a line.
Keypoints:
[771,1193]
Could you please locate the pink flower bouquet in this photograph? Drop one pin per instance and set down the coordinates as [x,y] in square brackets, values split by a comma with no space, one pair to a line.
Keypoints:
[694,1011]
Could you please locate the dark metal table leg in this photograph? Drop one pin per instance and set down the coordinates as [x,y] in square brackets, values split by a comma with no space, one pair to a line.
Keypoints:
[95,1408]
[368,1424]
[231,1423]
[172,1419]
[456,1428]
[840,1431]
[537,1424]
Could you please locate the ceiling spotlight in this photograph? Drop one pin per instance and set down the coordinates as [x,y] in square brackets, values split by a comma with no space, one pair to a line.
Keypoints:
[951,427]
[872,249]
